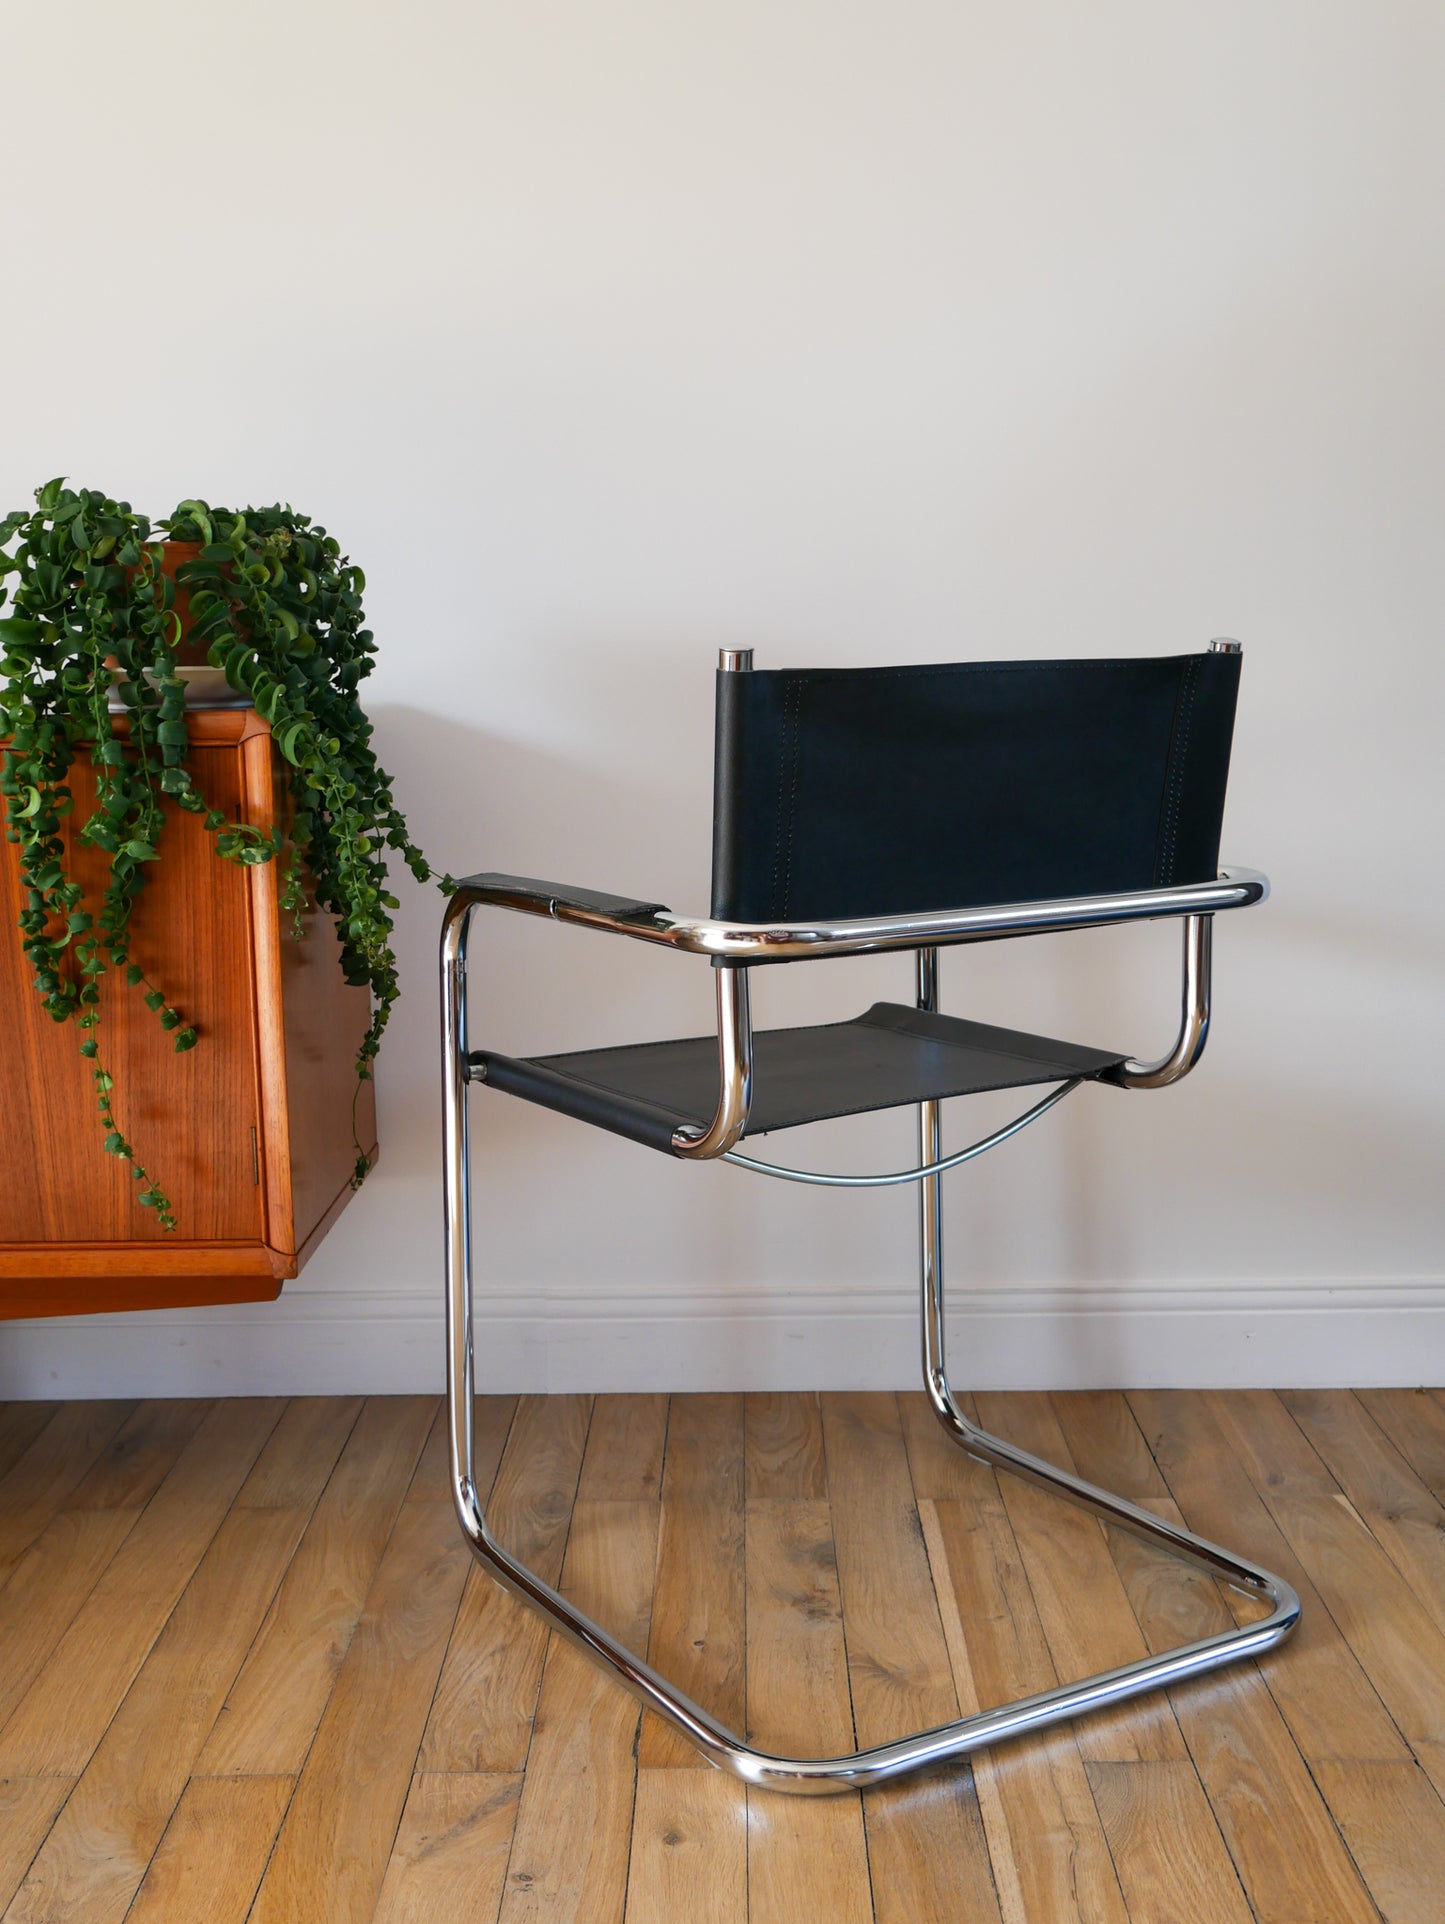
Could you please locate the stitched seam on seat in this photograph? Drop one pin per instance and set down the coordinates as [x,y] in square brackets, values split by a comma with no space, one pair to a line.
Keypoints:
[1174,788]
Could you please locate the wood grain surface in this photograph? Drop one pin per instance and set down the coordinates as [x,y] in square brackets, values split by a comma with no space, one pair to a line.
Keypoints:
[249,1133]
[250,1673]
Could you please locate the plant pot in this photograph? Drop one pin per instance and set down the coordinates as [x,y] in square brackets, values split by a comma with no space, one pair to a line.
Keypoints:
[206,687]
[189,654]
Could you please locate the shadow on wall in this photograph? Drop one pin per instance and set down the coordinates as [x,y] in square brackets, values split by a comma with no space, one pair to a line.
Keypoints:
[479,801]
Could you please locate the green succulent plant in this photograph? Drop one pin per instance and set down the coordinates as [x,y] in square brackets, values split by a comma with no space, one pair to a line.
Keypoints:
[87,615]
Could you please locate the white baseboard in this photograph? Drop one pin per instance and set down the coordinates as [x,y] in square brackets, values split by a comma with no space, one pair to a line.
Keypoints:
[1370,1331]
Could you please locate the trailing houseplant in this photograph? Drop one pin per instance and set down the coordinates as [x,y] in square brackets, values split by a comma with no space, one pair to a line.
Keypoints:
[93,655]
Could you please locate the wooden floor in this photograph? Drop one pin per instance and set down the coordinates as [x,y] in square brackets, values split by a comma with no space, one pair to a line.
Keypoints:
[246,1671]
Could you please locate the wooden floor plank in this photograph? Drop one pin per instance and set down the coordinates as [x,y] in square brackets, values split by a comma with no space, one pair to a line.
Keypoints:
[926,1846]
[1290,1857]
[97,1853]
[140,1456]
[298,1462]
[927,1852]
[807,1857]
[1082,1604]
[213,1852]
[1402,1513]
[897,1657]
[1396,1639]
[797,1668]
[1394,1824]
[1414,1421]
[332,1853]
[1331,1706]
[689,1849]
[1171,1858]
[47,1472]
[785,1445]
[28,1807]
[272,1709]
[46,1589]
[570,1847]
[698,1609]
[20,1424]
[1050,1857]
[63,1715]
[803,1853]
[625,1444]
[481,1719]
[52,1580]
[450,1856]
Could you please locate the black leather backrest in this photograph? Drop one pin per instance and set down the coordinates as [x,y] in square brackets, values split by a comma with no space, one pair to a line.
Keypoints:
[888,791]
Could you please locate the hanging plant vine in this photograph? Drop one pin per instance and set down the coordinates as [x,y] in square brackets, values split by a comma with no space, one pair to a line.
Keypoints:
[91,621]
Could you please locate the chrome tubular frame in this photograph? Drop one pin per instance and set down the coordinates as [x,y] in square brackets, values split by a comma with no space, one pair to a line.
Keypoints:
[1234,888]
[881,1762]
[735,1071]
[927,1170]
[1194,1022]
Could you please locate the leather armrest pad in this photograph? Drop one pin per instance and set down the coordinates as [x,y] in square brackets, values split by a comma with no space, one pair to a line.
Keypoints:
[528,889]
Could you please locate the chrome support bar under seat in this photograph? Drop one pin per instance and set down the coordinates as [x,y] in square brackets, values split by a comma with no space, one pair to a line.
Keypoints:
[880,1762]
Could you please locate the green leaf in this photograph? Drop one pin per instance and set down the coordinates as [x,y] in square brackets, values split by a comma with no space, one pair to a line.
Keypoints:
[135,975]
[140,851]
[155,1000]
[170,1019]
[115,1143]
[185,1040]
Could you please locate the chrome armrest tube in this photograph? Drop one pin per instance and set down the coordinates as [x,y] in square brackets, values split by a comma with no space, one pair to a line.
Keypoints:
[1234,888]
[1193,1021]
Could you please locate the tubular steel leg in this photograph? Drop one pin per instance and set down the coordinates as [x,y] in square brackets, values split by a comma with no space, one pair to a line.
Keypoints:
[880,1762]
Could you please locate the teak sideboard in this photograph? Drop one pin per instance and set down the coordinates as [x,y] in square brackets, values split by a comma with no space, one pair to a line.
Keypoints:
[250,1133]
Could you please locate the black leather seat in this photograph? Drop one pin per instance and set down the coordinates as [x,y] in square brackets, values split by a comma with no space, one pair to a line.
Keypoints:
[888,1056]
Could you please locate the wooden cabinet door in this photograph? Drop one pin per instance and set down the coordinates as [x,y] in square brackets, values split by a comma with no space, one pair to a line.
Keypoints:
[192,1119]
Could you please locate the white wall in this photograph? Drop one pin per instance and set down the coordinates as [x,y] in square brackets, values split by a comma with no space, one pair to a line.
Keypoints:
[606,332]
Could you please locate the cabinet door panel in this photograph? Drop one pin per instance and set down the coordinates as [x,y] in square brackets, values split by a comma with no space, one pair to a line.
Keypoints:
[189,1117]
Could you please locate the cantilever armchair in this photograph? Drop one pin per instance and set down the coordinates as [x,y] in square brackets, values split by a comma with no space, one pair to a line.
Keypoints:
[867,810]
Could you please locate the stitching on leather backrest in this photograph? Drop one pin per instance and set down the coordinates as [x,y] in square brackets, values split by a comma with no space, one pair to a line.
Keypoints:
[1174,798]
[798,687]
